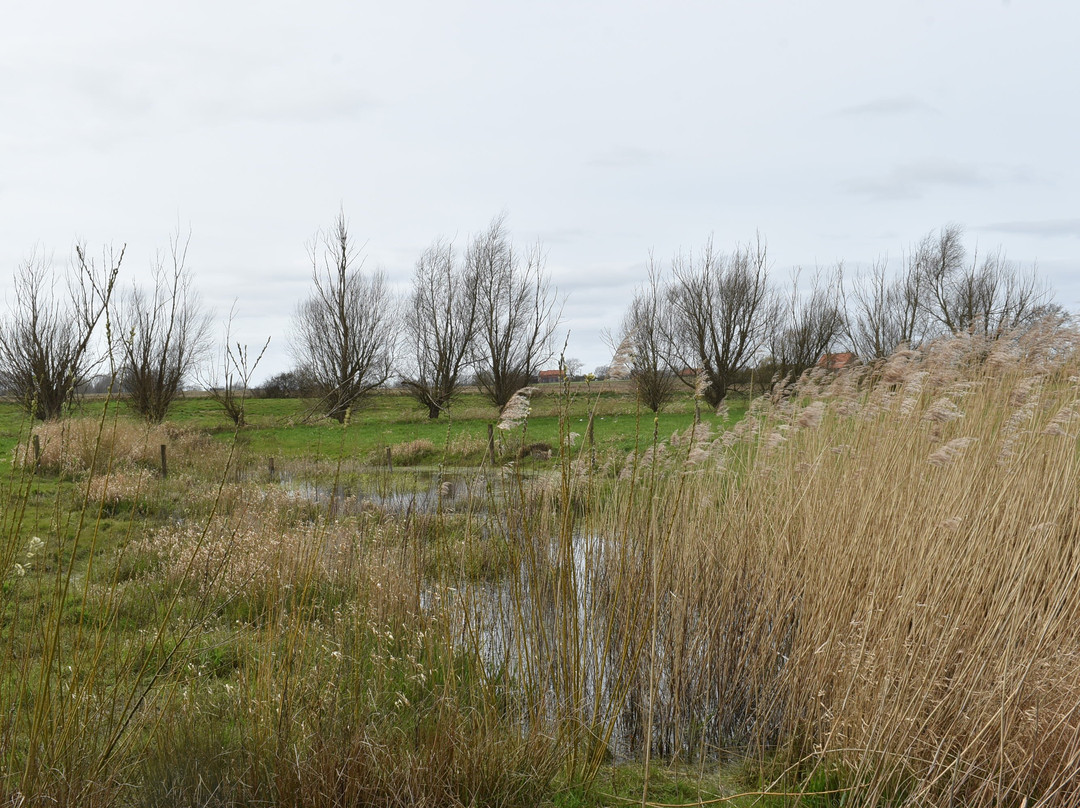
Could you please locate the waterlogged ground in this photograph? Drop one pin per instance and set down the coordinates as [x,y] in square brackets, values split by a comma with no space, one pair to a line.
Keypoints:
[422,490]
[543,629]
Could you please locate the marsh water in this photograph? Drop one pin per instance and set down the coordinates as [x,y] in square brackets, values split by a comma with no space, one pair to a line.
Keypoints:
[423,490]
[558,617]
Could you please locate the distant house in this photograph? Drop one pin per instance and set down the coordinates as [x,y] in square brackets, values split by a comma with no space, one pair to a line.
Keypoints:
[837,361]
[549,376]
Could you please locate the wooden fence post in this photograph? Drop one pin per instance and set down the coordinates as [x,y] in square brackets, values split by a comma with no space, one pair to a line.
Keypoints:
[389,459]
[164,463]
[491,442]
[37,451]
[270,465]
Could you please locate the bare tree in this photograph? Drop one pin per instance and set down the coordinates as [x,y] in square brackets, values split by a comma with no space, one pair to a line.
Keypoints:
[645,331]
[164,333]
[227,380]
[344,334]
[990,297]
[885,312]
[45,343]
[572,367]
[722,312]
[516,314]
[942,258]
[941,290]
[808,324]
[440,324]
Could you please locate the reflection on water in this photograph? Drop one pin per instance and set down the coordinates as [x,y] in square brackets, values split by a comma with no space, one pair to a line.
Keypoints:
[399,491]
[544,623]
[573,620]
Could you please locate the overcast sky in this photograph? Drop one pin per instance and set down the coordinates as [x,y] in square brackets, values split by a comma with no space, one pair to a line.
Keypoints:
[838,130]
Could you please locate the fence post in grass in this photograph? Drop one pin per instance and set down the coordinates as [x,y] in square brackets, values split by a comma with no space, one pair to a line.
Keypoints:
[37,451]
[491,442]
[164,463]
[270,466]
[389,459]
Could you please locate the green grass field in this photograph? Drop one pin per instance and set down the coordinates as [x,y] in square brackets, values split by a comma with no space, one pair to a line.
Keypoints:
[293,428]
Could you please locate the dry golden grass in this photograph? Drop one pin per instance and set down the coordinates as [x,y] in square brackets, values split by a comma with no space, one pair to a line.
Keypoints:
[126,486]
[412,451]
[76,445]
[882,572]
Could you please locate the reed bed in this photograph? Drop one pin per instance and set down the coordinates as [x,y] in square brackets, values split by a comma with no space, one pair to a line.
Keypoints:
[876,573]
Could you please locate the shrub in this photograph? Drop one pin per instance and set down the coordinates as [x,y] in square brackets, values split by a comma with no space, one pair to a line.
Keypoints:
[296,383]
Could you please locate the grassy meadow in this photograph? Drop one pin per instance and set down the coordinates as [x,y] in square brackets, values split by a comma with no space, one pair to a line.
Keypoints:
[861,590]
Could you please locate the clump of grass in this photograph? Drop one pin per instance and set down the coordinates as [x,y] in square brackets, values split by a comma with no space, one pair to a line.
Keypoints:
[124,488]
[77,445]
[353,686]
[412,452]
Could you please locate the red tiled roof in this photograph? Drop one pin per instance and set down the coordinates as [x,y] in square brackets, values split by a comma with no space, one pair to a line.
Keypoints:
[836,361]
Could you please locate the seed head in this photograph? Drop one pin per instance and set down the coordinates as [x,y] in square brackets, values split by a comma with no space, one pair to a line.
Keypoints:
[949,452]
[517,409]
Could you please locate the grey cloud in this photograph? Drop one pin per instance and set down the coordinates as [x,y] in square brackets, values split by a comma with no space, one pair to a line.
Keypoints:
[600,276]
[1055,228]
[166,88]
[597,291]
[317,107]
[629,157]
[881,107]
[563,235]
[913,180]
[114,94]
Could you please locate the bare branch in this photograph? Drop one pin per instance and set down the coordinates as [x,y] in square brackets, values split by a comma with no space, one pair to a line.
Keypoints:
[645,329]
[809,323]
[227,381]
[722,311]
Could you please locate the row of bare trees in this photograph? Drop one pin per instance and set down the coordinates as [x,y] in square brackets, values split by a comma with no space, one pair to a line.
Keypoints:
[709,317]
[154,338]
[941,288]
[487,312]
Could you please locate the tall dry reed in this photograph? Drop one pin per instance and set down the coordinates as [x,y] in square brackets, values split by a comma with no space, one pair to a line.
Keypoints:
[878,572]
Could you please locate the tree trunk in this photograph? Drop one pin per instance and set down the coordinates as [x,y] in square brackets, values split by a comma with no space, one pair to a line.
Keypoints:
[716,392]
